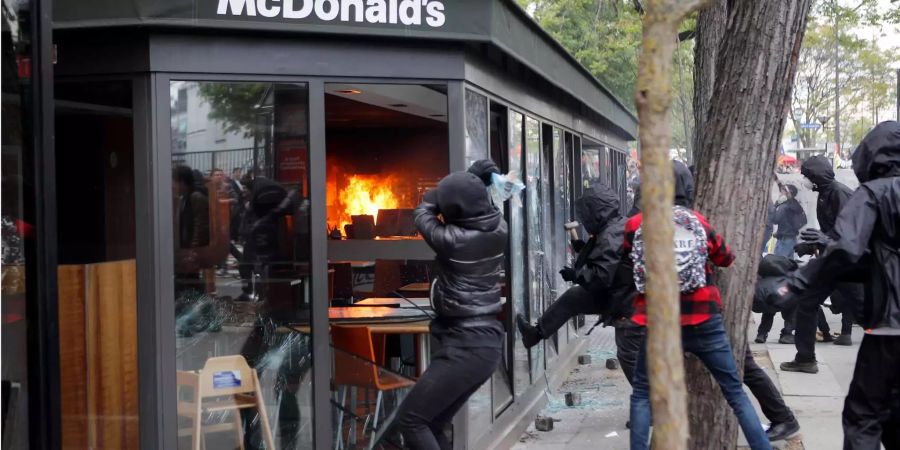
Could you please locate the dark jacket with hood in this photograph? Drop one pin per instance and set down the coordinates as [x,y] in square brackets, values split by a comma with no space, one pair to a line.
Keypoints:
[469,245]
[866,244]
[833,195]
[684,188]
[596,263]
[773,272]
[789,217]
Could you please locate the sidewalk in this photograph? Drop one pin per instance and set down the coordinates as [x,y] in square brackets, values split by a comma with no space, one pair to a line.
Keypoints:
[599,422]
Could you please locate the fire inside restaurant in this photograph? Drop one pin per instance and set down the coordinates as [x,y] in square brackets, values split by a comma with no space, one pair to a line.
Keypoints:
[237,179]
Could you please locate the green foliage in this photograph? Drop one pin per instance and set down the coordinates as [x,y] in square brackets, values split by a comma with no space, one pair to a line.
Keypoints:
[603,35]
[234,105]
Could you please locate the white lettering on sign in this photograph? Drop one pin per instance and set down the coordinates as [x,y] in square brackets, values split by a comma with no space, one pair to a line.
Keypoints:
[406,12]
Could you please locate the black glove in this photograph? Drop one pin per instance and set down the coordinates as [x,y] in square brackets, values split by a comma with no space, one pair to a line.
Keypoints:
[577,245]
[814,236]
[806,248]
[567,274]
[483,168]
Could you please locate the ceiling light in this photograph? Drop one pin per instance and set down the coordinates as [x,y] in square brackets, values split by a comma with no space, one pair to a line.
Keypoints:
[349,91]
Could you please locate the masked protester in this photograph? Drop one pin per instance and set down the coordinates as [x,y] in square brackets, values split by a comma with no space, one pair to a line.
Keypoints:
[866,247]
[789,218]
[469,236]
[832,196]
[602,287]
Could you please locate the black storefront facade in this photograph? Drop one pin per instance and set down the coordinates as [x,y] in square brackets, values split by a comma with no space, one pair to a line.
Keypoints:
[174,139]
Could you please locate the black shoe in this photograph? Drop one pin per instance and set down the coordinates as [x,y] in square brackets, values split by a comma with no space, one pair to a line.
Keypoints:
[531,335]
[786,339]
[782,431]
[628,424]
[844,339]
[827,337]
[761,338]
[795,366]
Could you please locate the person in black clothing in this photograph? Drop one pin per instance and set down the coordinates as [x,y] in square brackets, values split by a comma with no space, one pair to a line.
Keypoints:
[602,286]
[770,227]
[773,270]
[833,195]
[469,237]
[866,248]
[789,218]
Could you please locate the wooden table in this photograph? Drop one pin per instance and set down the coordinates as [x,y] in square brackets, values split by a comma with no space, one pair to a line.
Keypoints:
[407,303]
[415,290]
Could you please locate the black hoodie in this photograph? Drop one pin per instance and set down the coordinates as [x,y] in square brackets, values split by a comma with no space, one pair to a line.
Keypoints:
[469,246]
[597,262]
[867,235]
[833,195]
[684,188]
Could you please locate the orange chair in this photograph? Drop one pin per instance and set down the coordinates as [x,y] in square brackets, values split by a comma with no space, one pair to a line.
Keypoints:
[226,384]
[355,365]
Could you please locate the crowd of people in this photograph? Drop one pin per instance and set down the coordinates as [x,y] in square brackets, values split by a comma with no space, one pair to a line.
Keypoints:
[855,262]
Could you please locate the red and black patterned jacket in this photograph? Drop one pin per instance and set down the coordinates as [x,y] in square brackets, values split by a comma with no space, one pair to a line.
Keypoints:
[698,306]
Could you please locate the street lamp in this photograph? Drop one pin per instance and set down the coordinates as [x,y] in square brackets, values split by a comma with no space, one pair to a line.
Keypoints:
[823,120]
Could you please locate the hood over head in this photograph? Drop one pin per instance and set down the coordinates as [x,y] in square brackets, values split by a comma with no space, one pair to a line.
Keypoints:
[462,196]
[792,189]
[776,266]
[684,184]
[597,207]
[878,155]
[266,195]
[818,170]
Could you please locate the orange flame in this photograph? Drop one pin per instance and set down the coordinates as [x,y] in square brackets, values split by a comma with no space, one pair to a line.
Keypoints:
[366,194]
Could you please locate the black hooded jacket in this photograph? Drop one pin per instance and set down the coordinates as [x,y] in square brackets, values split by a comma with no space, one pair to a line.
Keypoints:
[833,195]
[867,235]
[684,188]
[469,244]
[596,263]
[773,272]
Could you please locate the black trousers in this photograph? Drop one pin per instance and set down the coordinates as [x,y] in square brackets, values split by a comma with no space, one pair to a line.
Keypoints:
[809,316]
[455,373]
[628,343]
[770,400]
[766,321]
[872,409]
[576,300]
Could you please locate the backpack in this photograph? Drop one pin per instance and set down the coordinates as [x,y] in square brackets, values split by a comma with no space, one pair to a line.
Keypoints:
[691,252]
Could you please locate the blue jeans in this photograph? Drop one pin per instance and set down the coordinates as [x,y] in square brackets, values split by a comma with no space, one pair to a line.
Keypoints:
[710,343]
[785,247]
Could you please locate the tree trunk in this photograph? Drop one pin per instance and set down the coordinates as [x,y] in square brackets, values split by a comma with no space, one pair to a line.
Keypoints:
[739,146]
[654,101]
[710,31]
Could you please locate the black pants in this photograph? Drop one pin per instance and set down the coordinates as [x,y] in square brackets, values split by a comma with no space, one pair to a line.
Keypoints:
[628,344]
[576,300]
[765,322]
[454,375]
[872,408]
[809,317]
[770,400]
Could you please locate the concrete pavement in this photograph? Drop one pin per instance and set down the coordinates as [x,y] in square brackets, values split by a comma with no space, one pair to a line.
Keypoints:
[599,422]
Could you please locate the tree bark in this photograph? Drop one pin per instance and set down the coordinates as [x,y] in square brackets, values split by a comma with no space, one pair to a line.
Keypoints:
[654,101]
[710,31]
[739,146]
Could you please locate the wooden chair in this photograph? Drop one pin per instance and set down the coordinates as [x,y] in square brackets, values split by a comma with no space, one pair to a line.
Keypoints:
[355,365]
[225,384]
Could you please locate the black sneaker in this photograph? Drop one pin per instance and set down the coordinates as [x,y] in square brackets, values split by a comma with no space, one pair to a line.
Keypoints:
[531,335]
[844,339]
[795,366]
[782,431]
[827,337]
[786,339]
[761,338]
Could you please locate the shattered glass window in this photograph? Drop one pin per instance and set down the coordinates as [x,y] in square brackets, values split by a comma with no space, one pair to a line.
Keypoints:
[242,264]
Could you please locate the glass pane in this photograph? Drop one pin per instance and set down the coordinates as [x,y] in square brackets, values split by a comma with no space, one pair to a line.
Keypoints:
[96,247]
[521,371]
[387,145]
[242,271]
[536,258]
[18,108]
[476,127]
